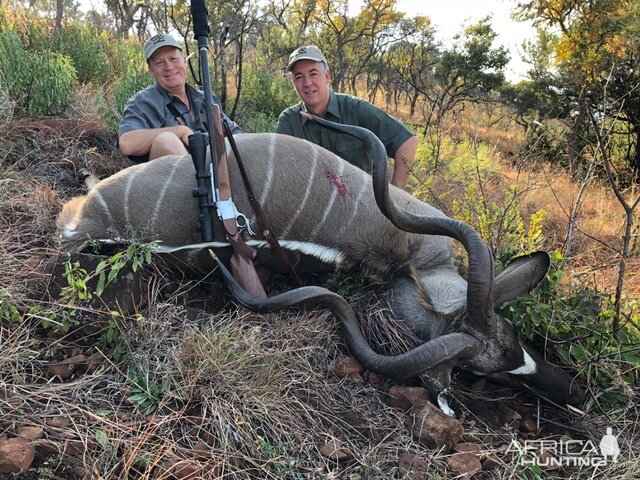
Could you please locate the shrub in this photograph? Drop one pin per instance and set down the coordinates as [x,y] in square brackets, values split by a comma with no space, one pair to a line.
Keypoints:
[87,48]
[6,104]
[14,63]
[38,82]
[53,77]
[545,142]
[131,75]
[34,30]
[125,58]
[500,223]
[264,96]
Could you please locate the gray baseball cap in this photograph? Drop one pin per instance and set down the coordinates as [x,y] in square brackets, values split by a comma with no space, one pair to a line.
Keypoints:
[159,41]
[310,52]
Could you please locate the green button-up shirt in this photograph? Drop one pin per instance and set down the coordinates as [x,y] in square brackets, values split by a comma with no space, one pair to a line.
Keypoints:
[347,110]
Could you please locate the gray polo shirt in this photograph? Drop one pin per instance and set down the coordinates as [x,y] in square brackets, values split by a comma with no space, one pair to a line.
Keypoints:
[149,108]
[347,110]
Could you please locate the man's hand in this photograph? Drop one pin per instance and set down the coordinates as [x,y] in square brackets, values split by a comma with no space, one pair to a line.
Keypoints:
[184,133]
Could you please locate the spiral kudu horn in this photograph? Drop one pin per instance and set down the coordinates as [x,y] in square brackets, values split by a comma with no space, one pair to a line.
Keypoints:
[409,364]
[480,276]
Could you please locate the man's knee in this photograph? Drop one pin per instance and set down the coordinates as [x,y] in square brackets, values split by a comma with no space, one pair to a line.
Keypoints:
[167,143]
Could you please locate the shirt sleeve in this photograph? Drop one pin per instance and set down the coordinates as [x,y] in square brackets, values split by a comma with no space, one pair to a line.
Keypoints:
[391,132]
[138,113]
[233,126]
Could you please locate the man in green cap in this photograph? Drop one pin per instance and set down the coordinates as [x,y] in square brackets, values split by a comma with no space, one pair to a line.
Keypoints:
[310,75]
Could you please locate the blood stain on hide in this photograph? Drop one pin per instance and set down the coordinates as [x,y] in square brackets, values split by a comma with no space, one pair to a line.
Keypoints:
[337,182]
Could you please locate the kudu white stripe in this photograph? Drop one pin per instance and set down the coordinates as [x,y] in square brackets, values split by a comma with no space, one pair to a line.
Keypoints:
[104,205]
[160,201]
[266,189]
[127,202]
[302,205]
[328,207]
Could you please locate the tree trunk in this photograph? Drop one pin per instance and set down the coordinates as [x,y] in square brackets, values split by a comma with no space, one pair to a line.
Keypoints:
[576,135]
[222,62]
[414,101]
[634,162]
[239,59]
[59,13]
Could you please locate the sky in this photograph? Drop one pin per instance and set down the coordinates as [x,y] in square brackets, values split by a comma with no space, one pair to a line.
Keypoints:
[447,16]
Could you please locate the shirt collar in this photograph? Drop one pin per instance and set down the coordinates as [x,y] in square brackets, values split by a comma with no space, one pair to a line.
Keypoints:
[333,110]
[193,93]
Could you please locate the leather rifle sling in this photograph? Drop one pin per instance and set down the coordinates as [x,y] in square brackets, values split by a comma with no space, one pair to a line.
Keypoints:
[242,265]
[257,209]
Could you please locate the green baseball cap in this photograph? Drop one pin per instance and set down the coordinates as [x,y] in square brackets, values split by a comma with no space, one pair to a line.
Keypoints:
[159,41]
[310,52]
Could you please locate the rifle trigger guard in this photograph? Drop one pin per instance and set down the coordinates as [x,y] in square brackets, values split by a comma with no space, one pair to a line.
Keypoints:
[243,223]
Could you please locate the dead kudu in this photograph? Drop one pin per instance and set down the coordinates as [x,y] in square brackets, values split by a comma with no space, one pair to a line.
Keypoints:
[321,206]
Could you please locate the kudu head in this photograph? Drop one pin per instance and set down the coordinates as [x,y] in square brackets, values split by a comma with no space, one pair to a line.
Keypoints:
[478,340]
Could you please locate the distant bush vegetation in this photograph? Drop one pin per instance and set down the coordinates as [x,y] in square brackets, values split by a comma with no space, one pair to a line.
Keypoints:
[38,83]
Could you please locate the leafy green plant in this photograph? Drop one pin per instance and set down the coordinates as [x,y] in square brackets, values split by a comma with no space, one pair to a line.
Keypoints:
[545,142]
[459,159]
[77,278]
[15,64]
[50,90]
[257,122]
[501,225]
[112,337]
[106,272]
[138,255]
[264,96]
[58,321]
[575,325]
[87,48]
[6,104]
[525,459]
[278,461]
[8,310]
[39,82]
[146,393]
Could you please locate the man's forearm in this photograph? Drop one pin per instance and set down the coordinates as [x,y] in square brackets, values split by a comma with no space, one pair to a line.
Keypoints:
[138,142]
[403,162]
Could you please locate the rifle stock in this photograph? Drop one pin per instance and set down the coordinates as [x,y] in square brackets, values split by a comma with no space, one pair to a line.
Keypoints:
[245,273]
[242,266]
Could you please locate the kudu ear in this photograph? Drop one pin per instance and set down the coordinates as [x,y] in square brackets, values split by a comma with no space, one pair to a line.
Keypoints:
[522,275]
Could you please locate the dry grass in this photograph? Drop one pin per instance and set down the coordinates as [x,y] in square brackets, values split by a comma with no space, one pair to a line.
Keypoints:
[594,253]
[236,395]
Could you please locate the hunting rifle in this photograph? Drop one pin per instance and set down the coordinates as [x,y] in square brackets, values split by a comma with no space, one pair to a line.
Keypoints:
[213,187]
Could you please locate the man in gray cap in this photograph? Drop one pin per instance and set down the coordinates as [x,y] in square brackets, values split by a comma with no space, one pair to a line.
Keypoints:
[310,75]
[158,120]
